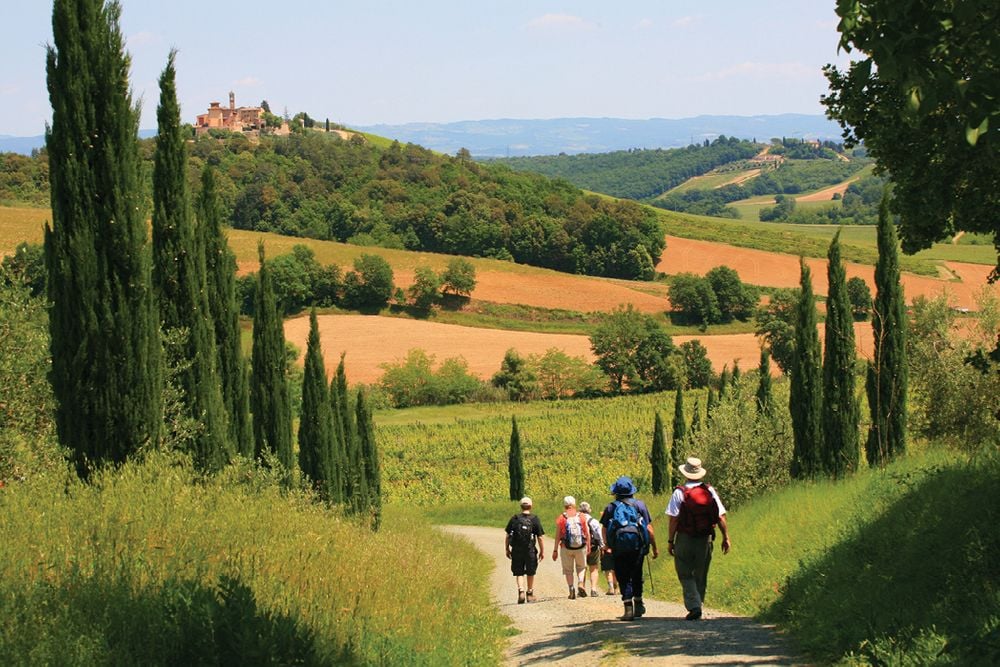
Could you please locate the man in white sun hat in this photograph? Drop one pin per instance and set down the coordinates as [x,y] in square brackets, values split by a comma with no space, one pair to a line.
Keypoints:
[695,510]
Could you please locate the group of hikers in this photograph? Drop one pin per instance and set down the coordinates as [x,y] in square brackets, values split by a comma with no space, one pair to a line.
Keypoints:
[620,540]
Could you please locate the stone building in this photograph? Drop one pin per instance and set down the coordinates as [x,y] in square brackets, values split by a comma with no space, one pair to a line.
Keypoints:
[248,120]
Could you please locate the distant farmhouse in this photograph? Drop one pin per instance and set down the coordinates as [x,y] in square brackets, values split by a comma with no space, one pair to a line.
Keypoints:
[246,120]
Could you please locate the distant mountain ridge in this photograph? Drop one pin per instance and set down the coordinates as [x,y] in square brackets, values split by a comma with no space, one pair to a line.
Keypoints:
[515,138]
[24,145]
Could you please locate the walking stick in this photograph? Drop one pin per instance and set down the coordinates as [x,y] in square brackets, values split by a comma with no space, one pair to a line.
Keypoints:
[649,566]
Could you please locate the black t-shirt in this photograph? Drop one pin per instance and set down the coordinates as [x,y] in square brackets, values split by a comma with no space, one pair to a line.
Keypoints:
[515,524]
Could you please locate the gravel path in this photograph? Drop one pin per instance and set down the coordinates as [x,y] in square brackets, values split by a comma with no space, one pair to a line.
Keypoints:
[588,632]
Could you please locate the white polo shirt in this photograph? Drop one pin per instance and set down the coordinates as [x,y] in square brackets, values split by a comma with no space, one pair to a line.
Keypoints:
[674,508]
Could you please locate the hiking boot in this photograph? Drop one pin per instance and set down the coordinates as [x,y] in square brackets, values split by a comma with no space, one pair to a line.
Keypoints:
[640,608]
[629,611]
[520,597]
[593,593]
[580,592]
[531,595]
[693,615]
[572,593]
[611,591]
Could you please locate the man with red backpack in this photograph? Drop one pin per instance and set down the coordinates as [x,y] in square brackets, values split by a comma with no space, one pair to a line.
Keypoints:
[695,510]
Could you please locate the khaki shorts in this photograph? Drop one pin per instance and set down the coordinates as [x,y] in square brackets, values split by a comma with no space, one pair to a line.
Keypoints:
[594,557]
[573,559]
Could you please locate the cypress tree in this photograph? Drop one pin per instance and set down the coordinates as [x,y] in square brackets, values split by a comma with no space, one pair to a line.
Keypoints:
[695,418]
[337,456]
[735,377]
[724,379]
[515,464]
[220,278]
[355,487]
[680,437]
[269,399]
[840,403]
[658,457]
[806,397]
[710,403]
[887,375]
[106,374]
[315,417]
[764,396]
[179,283]
[369,455]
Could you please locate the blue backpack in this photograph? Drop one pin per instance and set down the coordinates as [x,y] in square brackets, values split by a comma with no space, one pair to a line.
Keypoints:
[628,532]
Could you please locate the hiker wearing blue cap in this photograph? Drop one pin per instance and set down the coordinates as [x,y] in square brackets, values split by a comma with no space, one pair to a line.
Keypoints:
[629,530]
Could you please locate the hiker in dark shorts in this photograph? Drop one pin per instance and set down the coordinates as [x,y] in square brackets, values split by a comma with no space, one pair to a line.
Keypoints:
[629,531]
[694,510]
[524,548]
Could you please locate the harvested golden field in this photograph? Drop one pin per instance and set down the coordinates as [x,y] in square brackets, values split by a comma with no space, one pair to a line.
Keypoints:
[370,341]
[772,269]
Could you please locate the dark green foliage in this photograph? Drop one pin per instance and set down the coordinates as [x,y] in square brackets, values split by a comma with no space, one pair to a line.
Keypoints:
[692,297]
[370,285]
[711,402]
[765,400]
[370,460]
[459,277]
[784,207]
[515,462]
[269,398]
[860,298]
[638,174]
[633,350]
[734,377]
[301,281]
[841,411]
[924,82]
[658,459]
[695,419]
[697,366]
[316,416]
[25,267]
[426,288]
[109,406]
[220,278]
[887,373]
[355,482]
[678,441]
[337,457]
[724,378]
[517,377]
[180,287]
[806,397]
[776,326]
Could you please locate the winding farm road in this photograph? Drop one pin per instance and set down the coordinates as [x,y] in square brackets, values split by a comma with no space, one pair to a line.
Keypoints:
[588,632]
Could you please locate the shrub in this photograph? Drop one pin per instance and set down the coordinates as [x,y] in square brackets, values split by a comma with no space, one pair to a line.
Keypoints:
[369,287]
[424,290]
[413,381]
[697,366]
[693,298]
[460,277]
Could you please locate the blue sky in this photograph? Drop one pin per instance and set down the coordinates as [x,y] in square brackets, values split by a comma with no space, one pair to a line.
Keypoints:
[396,61]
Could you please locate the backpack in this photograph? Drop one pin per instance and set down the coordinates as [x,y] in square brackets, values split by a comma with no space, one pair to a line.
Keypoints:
[596,539]
[573,535]
[699,512]
[628,532]
[522,536]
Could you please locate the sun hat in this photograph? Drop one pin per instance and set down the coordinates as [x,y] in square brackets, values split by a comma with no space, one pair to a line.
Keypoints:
[623,486]
[585,507]
[692,469]
[569,500]
[526,502]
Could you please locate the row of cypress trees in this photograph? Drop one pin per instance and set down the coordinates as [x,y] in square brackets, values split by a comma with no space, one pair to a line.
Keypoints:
[824,405]
[113,296]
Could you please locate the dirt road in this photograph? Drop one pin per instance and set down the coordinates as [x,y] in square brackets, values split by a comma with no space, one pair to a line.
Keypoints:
[588,632]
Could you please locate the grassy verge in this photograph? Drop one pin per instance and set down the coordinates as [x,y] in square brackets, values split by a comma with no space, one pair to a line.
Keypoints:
[894,566]
[150,566]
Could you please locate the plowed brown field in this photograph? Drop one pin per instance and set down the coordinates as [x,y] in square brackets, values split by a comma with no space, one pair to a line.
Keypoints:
[371,341]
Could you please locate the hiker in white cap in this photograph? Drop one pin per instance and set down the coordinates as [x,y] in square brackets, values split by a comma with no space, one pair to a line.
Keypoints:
[524,530]
[695,510]
[573,538]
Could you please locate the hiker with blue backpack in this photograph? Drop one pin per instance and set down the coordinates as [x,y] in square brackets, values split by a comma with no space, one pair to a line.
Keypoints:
[630,537]
[695,510]
[573,539]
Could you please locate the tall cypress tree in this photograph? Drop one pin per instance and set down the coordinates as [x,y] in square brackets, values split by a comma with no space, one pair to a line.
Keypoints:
[106,375]
[369,455]
[355,486]
[841,411]
[724,378]
[764,395]
[269,398]
[735,377]
[710,403]
[806,397]
[315,416]
[695,418]
[887,374]
[658,457]
[179,283]
[680,437]
[338,454]
[220,278]
[515,464]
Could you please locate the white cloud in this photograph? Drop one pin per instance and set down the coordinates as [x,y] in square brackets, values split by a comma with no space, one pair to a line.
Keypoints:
[247,82]
[685,21]
[559,22]
[143,38]
[644,24]
[8,89]
[786,71]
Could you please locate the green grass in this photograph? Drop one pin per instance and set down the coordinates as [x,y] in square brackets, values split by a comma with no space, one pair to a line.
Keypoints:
[710,181]
[149,565]
[887,563]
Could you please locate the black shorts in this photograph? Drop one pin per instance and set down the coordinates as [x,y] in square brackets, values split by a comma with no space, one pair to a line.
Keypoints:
[607,561]
[524,562]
